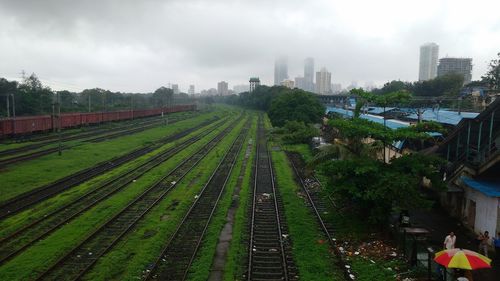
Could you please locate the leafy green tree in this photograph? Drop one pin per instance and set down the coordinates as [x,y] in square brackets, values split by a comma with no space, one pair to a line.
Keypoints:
[163,97]
[295,132]
[492,77]
[295,105]
[377,188]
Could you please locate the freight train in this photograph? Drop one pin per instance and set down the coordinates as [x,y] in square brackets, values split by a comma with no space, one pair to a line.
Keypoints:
[42,123]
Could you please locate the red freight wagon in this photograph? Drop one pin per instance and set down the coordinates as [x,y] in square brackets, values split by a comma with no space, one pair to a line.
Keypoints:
[30,124]
[69,120]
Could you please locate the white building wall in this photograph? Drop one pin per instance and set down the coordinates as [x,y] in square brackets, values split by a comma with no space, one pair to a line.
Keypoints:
[486,211]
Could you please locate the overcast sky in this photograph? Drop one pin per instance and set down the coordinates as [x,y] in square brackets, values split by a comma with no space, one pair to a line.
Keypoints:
[138,46]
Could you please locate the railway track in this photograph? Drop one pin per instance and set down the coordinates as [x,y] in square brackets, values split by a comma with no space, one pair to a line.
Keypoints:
[44,141]
[312,189]
[81,258]
[177,256]
[26,236]
[115,133]
[36,195]
[269,254]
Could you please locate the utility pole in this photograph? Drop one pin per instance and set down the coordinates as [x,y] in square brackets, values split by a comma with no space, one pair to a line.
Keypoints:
[89,102]
[8,106]
[132,106]
[14,111]
[59,123]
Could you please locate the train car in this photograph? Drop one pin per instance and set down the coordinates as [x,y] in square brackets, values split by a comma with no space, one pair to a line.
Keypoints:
[69,120]
[43,123]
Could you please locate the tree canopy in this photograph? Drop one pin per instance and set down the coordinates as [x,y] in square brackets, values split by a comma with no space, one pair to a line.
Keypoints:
[295,105]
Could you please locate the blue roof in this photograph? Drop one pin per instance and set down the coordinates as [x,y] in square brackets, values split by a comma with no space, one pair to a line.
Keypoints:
[444,116]
[378,109]
[390,123]
[488,187]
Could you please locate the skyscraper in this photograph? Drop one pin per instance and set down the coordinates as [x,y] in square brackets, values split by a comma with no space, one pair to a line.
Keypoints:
[280,70]
[323,81]
[191,90]
[429,54]
[309,74]
[462,66]
[222,88]
[254,83]
[175,89]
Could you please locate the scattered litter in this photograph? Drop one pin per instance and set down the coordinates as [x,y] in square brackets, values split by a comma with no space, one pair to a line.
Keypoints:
[196,196]
[284,236]
[90,253]
[393,254]
[173,183]
[389,268]
[372,261]
[134,180]
[356,253]
[352,276]
[347,266]
[273,250]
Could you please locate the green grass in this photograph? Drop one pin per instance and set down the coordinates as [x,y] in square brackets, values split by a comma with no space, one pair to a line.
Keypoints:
[17,179]
[311,254]
[200,269]
[45,252]
[19,220]
[141,247]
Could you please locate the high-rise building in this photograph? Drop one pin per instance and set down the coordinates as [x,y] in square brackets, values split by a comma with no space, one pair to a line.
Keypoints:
[254,83]
[240,88]
[323,82]
[175,89]
[300,83]
[222,88]
[288,83]
[280,70]
[462,66]
[191,90]
[308,75]
[336,88]
[429,54]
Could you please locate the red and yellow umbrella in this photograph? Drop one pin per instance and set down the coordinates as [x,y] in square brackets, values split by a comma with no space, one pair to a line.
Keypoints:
[461,258]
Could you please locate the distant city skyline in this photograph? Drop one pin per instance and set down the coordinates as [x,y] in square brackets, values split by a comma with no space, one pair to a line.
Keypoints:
[74,46]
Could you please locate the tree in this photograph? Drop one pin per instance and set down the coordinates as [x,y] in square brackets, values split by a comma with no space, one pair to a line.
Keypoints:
[492,77]
[295,132]
[377,188]
[163,97]
[295,105]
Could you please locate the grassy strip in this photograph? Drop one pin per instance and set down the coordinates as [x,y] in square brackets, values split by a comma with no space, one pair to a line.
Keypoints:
[21,178]
[21,219]
[200,269]
[311,254]
[238,249]
[45,252]
[128,259]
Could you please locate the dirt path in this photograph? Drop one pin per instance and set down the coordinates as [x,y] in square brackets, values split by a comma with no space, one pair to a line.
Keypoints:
[226,235]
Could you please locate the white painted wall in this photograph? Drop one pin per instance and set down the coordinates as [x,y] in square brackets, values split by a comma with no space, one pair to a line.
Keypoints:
[486,211]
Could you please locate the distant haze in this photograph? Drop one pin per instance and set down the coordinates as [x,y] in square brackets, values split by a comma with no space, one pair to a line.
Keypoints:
[138,46]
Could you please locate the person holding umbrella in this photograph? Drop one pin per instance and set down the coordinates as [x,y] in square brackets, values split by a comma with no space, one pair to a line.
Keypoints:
[462,259]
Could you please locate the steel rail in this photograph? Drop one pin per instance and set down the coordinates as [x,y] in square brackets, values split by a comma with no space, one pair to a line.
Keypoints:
[16,242]
[119,225]
[36,195]
[164,268]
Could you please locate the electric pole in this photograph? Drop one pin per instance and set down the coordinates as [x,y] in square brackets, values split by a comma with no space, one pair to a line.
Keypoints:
[59,123]
[8,106]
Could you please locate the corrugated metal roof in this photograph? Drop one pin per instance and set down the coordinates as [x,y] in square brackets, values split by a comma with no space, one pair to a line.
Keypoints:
[487,187]
[444,116]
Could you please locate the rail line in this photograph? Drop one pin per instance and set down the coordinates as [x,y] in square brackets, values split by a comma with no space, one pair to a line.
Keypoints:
[26,236]
[115,133]
[81,258]
[43,141]
[36,195]
[177,256]
[269,254]
[312,188]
